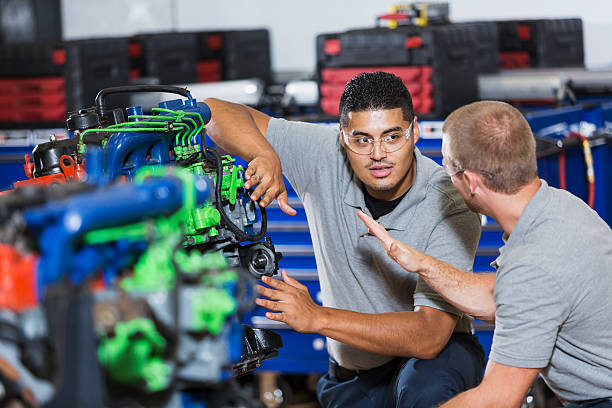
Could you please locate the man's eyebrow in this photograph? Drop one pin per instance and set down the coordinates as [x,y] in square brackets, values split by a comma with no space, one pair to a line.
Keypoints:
[393,129]
[390,130]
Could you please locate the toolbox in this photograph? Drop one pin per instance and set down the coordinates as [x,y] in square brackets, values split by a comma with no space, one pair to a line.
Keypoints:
[551,43]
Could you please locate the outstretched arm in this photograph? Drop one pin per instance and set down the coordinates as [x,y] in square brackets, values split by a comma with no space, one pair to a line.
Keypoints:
[241,131]
[471,293]
[422,333]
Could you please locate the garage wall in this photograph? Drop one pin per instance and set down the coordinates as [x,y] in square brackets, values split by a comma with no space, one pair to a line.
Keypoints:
[294,24]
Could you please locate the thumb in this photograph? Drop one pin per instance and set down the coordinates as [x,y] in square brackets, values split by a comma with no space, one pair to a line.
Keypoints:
[402,254]
[283,202]
[395,251]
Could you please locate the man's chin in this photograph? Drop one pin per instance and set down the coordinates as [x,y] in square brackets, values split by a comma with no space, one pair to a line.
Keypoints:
[381,186]
[473,206]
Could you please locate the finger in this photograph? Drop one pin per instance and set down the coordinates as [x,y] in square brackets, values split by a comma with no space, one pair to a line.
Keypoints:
[275,283]
[269,293]
[268,304]
[248,174]
[268,196]
[283,202]
[258,192]
[289,280]
[279,317]
[376,229]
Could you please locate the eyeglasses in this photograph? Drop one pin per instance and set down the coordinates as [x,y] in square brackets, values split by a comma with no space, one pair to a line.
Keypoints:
[452,170]
[365,144]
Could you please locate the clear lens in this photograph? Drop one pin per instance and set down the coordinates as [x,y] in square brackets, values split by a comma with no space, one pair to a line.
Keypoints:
[365,145]
[450,168]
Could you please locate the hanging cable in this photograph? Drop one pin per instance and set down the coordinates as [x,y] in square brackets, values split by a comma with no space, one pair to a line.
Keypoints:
[588,160]
[238,232]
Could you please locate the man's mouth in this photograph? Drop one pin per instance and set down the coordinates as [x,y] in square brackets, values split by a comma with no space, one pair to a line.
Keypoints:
[380,171]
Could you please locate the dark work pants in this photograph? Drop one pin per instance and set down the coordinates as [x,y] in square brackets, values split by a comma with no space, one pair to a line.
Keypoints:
[596,403]
[409,382]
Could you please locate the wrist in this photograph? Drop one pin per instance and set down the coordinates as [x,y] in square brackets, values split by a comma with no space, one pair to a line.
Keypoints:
[321,319]
[426,264]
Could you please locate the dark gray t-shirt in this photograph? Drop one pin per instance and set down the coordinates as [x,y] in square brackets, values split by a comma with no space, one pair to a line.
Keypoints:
[553,296]
[355,272]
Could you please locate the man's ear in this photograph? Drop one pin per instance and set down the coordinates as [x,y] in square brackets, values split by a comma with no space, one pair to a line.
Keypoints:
[474,181]
[415,130]
[341,138]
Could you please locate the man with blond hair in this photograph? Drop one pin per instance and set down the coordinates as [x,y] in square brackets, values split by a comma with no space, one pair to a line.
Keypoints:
[551,296]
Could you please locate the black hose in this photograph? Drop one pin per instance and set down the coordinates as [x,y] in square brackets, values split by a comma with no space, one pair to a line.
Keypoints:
[137,88]
[187,161]
[242,236]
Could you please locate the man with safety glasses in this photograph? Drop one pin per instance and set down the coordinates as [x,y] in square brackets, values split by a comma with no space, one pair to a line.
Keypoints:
[392,340]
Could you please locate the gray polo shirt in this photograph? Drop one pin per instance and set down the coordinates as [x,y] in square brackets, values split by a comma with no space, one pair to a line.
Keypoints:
[355,272]
[553,296]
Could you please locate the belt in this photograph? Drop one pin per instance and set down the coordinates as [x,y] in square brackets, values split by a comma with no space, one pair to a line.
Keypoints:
[342,374]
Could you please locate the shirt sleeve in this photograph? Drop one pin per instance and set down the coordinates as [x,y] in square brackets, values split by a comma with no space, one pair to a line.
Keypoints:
[454,240]
[303,149]
[530,308]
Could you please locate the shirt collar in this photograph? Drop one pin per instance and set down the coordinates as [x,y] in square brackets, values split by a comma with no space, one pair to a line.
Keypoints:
[532,211]
[536,205]
[354,197]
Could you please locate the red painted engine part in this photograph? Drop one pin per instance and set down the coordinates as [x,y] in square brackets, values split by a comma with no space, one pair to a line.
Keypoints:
[17,279]
[71,170]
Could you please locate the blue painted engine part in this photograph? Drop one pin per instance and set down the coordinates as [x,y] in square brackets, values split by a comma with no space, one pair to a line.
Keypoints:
[58,225]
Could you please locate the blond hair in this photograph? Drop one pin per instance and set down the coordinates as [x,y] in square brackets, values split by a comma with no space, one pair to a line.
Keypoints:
[493,138]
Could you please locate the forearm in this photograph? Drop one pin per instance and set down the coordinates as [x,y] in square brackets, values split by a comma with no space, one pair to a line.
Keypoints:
[238,129]
[502,386]
[398,334]
[471,293]
[471,398]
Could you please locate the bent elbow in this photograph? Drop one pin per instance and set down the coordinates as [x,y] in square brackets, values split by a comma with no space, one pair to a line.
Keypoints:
[428,351]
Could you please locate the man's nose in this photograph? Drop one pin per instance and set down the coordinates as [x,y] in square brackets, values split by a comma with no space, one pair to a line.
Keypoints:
[378,152]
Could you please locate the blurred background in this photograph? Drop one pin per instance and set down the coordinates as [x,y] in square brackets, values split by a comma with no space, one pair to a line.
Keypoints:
[293,25]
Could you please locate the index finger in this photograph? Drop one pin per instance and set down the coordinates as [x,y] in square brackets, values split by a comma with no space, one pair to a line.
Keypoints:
[248,173]
[376,229]
[274,283]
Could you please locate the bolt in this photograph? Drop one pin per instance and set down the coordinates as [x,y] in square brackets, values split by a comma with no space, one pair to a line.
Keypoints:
[260,261]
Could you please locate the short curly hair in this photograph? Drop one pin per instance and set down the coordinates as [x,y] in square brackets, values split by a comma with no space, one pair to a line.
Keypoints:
[375,91]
